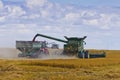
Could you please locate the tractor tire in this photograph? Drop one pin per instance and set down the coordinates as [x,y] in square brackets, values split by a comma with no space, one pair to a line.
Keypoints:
[21,55]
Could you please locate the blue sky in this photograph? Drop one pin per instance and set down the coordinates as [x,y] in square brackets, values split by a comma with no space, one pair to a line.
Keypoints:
[99,20]
[82,2]
[90,2]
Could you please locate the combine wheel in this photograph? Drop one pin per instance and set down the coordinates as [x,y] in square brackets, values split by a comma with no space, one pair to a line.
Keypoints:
[21,55]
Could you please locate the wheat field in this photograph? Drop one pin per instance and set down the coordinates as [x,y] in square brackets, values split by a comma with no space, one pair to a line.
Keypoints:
[63,69]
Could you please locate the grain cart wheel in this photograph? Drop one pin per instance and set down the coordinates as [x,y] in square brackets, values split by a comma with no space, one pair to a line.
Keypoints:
[35,55]
[21,55]
[46,52]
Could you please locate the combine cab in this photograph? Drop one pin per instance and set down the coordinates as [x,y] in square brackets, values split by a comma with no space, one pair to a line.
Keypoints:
[32,49]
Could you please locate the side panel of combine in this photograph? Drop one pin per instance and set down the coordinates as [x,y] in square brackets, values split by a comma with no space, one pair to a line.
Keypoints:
[71,49]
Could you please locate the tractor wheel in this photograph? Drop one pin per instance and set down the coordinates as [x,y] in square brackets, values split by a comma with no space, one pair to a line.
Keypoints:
[21,55]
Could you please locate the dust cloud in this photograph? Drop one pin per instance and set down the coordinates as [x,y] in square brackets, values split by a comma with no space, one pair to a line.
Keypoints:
[8,53]
[56,54]
[12,53]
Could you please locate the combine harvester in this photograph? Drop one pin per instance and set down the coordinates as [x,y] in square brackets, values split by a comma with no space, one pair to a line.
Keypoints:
[73,46]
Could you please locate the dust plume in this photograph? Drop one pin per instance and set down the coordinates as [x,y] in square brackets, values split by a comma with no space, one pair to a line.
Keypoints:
[8,53]
[12,53]
[56,54]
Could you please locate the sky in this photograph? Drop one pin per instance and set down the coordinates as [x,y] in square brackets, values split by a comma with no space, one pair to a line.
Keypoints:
[99,20]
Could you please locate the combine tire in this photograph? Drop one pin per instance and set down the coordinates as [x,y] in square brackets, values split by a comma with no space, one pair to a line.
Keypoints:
[21,55]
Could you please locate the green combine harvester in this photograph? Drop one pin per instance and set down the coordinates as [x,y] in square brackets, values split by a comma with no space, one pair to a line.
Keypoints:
[73,46]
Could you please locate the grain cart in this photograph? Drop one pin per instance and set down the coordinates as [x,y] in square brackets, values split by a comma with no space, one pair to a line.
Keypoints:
[32,49]
[73,46]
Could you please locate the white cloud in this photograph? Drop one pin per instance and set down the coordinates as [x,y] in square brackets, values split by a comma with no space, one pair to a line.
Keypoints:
[88,13]
[51,29]
[16,11]
[36,3]
[40,9]
[1,5]
[2,18]
[104,21]
[93,22]
[31,16]
[45,13]
[72,16]
[17,28]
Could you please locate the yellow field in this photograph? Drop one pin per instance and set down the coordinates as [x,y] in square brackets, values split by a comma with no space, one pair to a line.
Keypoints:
[63,69]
